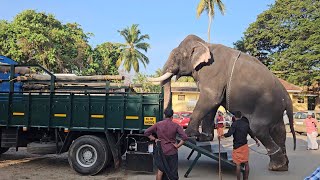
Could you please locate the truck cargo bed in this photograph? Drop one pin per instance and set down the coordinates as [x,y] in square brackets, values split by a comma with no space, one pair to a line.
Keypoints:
[93,112]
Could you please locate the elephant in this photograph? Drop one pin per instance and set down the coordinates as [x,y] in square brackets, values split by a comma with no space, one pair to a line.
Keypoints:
[239,82]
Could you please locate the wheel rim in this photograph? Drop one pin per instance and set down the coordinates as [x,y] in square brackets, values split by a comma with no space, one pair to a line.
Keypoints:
[86,155]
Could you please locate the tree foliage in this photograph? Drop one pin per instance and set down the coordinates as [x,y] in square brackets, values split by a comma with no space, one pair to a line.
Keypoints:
[147,86]
[39,38]
[186,79]
[286,38]
[208,6]
[103,59]
[131,54]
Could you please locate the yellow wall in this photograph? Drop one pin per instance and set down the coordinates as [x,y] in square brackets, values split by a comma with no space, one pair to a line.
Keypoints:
[302,106]
[185,105]
[298,106]
[188,103]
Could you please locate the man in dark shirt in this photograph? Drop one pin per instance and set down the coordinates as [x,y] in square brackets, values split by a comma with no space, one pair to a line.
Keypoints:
[240,129]
[166,131]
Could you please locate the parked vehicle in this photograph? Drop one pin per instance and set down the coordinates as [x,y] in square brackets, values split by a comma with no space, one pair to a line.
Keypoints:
[176,118]
[95,127]
[300,116]
[182,118]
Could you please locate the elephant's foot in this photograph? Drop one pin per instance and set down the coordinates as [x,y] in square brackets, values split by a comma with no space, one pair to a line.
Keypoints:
[192,132]
[279,163]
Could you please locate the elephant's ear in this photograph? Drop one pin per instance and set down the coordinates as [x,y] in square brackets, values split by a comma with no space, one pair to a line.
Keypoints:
[200,54]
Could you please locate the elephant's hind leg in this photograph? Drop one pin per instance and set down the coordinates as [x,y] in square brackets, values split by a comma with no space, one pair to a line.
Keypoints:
[278,134]
[278,161]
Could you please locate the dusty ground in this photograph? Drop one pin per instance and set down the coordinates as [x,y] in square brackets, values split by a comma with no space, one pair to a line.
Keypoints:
[22,165]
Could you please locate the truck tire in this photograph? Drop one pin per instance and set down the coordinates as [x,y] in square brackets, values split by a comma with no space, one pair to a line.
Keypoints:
[42,148]
[89,154]
[3,150]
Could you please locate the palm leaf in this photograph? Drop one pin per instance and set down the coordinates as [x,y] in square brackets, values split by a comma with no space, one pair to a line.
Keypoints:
[128,62]
[119,61]
[135,64]
[135,33]
[221,6]
[143,46]
[143,58]
[142,37]
[201,7]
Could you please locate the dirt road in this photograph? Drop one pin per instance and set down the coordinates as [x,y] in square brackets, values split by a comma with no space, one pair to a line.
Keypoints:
[22,165]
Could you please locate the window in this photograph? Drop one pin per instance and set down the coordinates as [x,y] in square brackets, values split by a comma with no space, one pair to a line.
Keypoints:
[300,99]
[181,97]
[297,115]
[186,114]
[304,115]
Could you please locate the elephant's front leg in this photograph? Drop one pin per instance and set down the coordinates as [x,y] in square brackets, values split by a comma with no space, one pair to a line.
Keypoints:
[203,107]
[207,127]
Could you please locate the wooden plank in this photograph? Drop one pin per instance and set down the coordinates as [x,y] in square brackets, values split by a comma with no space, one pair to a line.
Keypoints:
[70,78]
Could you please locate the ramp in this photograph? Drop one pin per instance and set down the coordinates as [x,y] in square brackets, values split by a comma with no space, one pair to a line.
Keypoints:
[208,149]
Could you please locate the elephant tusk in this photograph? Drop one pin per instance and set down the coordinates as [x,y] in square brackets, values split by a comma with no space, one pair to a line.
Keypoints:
[161,78]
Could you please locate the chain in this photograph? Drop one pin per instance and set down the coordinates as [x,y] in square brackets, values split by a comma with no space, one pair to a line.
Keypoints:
[267,154]
[229,83]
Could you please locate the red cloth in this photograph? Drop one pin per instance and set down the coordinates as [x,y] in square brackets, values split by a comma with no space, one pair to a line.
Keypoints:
[220,131]
[166,131]
[241,154]
[220,121]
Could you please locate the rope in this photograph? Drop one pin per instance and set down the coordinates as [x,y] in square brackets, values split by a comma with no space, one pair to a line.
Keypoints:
[267,154]
[229,83]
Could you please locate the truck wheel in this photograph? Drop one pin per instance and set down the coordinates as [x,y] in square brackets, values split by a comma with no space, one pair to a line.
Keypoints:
[3,150]
[88,155]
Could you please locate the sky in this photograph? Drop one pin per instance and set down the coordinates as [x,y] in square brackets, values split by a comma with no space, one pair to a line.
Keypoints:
[167,22]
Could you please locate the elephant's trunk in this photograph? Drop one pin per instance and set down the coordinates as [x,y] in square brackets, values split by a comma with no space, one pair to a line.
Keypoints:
[165,81]
[167,102]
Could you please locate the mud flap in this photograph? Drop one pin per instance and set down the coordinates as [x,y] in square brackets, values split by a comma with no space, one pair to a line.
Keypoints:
[114,149]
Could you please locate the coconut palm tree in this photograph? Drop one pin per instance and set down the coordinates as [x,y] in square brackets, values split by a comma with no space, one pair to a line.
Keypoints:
[208,5]
[131,54]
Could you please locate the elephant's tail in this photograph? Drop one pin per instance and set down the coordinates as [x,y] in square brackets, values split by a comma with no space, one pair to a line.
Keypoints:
[289,109]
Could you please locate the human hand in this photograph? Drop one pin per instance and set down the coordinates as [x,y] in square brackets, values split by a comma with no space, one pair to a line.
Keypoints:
[156,140]
[176,146]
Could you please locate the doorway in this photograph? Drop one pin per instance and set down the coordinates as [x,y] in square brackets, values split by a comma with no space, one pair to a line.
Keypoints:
[311,102]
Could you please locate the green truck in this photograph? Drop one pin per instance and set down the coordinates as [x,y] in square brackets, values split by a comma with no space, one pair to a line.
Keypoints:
[95,127]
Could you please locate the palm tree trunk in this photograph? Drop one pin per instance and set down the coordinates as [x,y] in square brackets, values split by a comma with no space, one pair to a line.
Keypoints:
[210,20]
[209,28]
